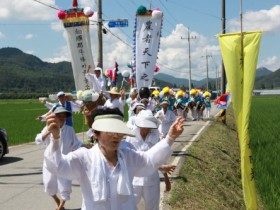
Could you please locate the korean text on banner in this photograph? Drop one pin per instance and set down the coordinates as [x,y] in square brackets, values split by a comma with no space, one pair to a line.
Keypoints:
[147,38]
[76,24]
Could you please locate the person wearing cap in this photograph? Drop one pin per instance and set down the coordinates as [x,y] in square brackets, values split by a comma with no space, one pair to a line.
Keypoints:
[116,99]
[62,101]
[68,142]
[146,136]
[96,79]
[166,117]
[105,171]
[137,108]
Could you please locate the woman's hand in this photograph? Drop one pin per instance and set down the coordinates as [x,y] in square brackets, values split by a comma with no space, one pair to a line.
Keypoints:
[53,126]
[167,168]
[176,128]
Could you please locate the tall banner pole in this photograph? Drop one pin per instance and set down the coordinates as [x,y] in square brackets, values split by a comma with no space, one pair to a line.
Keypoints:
[240,72]
[76,24]
[147,35]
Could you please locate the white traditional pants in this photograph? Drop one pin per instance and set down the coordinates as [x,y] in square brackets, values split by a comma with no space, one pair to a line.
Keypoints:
[53,185]
[150,194]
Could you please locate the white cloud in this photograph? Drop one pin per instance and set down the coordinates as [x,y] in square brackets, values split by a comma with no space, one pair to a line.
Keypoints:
[57,26]
[4,13]
[271,63]
[2,36]
[62,54]
[27,10]
[31,52]
[174,55]
[267,20]
[28,36]
[87,3]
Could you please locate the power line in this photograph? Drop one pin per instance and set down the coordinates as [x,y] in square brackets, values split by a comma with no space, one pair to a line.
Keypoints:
[195,10]
[107,29]
[128,36]
[46,5]
[176,21]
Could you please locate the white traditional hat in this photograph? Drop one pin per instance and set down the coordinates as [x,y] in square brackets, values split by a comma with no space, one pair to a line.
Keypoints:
[60,93]
[164,102]
[61,109]
[146,119]
[111,123]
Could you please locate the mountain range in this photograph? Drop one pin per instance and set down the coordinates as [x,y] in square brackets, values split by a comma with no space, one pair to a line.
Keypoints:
[23,73]
[262,75]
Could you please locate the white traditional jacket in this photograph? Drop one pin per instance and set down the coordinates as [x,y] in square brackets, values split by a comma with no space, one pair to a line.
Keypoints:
[80,165]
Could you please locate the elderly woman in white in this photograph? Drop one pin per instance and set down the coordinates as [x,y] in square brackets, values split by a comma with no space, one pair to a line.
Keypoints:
[166,117]
[68,143]
[96,79]
[146,136]
[106,171]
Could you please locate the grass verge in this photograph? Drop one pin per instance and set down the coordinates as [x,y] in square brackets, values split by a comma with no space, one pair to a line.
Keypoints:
[210,175]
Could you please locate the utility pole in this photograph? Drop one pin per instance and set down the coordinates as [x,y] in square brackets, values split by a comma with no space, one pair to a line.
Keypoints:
[217,79]
[189,45]
[207,77]
[223,72]
[99,34]
[223,76]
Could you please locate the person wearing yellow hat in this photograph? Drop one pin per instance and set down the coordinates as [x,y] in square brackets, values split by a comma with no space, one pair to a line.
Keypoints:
[181,104]
[207,101]
[155,97]
[192,103]
[165,95]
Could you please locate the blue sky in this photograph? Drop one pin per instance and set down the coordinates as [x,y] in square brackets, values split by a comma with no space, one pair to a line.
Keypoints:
[34,28]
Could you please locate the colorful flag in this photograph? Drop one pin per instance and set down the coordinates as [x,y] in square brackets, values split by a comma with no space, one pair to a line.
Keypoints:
[240,72]
[147,34]
[115,74]
[76,24]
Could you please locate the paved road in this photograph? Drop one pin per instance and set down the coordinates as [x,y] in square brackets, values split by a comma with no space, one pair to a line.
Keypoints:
[21,186]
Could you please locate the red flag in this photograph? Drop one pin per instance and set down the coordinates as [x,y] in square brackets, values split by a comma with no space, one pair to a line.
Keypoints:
[75,3]
[115,74]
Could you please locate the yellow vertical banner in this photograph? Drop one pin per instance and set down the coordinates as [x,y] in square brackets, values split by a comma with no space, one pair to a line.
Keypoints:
[241,76]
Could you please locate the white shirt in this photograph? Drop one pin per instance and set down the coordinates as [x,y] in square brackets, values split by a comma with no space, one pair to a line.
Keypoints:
[78,165]
[166,121]
[143,145]
[98,84]
[130,104]
[76,107]
[116,103]
[69,143]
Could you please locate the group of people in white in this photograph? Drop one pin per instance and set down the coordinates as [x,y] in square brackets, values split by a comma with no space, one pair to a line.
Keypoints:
[122,166]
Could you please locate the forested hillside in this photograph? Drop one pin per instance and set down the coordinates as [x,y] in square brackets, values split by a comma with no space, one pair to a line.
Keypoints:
[22,73]
[26,76]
